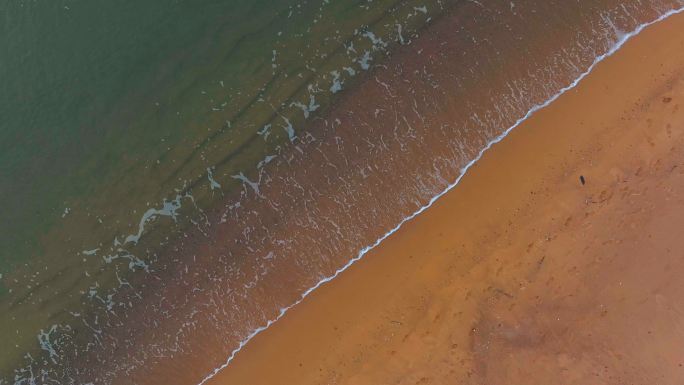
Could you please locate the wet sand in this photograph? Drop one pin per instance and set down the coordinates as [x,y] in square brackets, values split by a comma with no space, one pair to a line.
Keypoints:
[522,274]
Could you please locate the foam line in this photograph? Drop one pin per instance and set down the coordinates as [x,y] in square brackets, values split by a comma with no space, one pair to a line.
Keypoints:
[623,39]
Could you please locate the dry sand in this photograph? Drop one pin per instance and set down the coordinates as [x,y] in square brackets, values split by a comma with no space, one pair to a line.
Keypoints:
[521,274]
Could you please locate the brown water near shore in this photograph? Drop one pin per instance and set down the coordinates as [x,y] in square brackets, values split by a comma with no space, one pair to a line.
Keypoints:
[522,274]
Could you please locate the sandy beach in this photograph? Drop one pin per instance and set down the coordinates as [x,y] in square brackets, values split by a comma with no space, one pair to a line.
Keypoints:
[523,274]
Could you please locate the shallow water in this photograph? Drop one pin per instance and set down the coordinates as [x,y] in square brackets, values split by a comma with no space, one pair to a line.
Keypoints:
[174,175]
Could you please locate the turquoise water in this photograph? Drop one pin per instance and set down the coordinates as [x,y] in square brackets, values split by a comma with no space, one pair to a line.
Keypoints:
[94,87]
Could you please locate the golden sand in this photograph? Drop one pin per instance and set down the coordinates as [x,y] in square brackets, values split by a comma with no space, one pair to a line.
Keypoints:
[522,274]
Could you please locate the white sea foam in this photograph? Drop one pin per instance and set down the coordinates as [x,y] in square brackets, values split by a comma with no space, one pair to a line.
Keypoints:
[622,39]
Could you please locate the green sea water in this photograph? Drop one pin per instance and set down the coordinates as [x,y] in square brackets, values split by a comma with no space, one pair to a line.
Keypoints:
[92,88]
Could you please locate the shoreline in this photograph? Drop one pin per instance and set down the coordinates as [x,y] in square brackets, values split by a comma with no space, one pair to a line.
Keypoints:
[414,219]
